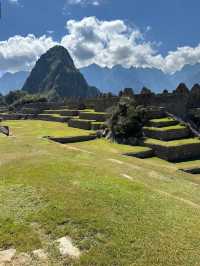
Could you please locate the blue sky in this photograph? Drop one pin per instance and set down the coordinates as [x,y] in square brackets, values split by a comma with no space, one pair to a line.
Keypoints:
[141,33]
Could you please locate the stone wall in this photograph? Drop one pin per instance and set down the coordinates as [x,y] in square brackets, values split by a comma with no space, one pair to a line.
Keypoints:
[177,153]
[65,140]
[173,103]
[167,135]
[162,123]
[177,102]
[63,112]
[52,118]
[99,117]
[78,123]
[17,116]
[102,104]
[142,154]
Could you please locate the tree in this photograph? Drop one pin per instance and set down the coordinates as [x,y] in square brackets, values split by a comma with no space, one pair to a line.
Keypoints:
[146,91]
[128,92]
[14,96]
[126,122]
[2,100]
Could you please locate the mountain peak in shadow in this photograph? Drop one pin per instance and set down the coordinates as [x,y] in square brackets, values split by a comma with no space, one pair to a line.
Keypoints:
[55,74]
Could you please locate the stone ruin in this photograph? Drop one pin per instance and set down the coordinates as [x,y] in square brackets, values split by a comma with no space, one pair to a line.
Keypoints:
[181,102]
[5,130]
[178,102]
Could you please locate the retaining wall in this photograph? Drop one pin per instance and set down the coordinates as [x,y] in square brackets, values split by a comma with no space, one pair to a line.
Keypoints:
[65,140]
[163,123]
[97,126]
[177,153]
[142,155]
[167,135]
[53,119]
[63,112]
[82,124]
[99,117]
[17,116]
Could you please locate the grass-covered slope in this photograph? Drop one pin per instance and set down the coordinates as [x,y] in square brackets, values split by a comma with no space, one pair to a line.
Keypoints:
[118,210]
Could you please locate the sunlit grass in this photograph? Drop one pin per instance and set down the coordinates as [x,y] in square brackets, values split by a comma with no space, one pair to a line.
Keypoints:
[81,190]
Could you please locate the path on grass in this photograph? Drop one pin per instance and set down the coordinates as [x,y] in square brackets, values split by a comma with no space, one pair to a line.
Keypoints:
[164,193]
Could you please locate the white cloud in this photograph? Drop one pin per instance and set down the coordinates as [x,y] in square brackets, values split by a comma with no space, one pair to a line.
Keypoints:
[20,53]
[176,60]
[14,1]
[84,2]
[50,32]
[106,43]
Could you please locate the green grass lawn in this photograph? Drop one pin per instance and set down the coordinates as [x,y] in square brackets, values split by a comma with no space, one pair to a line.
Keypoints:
[160,120]
[118,210]
[55,115]
[83,120]
[92,112]
[98,123]
[169,128]
[189,164]
[58,110]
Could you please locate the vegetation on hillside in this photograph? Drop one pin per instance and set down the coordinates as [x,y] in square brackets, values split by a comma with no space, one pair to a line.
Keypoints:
[15,99]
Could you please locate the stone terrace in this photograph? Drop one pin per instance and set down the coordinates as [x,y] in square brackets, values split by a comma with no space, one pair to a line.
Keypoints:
[172,141]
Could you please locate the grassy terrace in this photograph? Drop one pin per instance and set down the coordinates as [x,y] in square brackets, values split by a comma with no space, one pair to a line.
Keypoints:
[173,143]
[189,164]
[83,120]
[118,210]
[159,120]
[169,128]
[93,112]
[55,115]
[59,110]
[98,123]
[87,110]
[113,148]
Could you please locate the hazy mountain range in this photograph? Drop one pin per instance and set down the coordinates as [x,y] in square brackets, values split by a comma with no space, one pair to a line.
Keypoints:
[11,81]
[116,78]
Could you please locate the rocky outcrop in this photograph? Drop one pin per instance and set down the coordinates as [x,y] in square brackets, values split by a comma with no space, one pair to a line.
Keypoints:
[5,130]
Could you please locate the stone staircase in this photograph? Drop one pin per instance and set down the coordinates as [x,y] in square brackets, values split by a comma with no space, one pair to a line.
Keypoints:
[62,114]
[89,120]
[171,140]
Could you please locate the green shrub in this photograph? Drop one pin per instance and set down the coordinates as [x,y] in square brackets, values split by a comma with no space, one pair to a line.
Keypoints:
[126,121]
[26,99]
[14,96]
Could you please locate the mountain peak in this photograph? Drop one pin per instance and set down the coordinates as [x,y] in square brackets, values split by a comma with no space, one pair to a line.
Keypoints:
[59,54]
[56,74]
